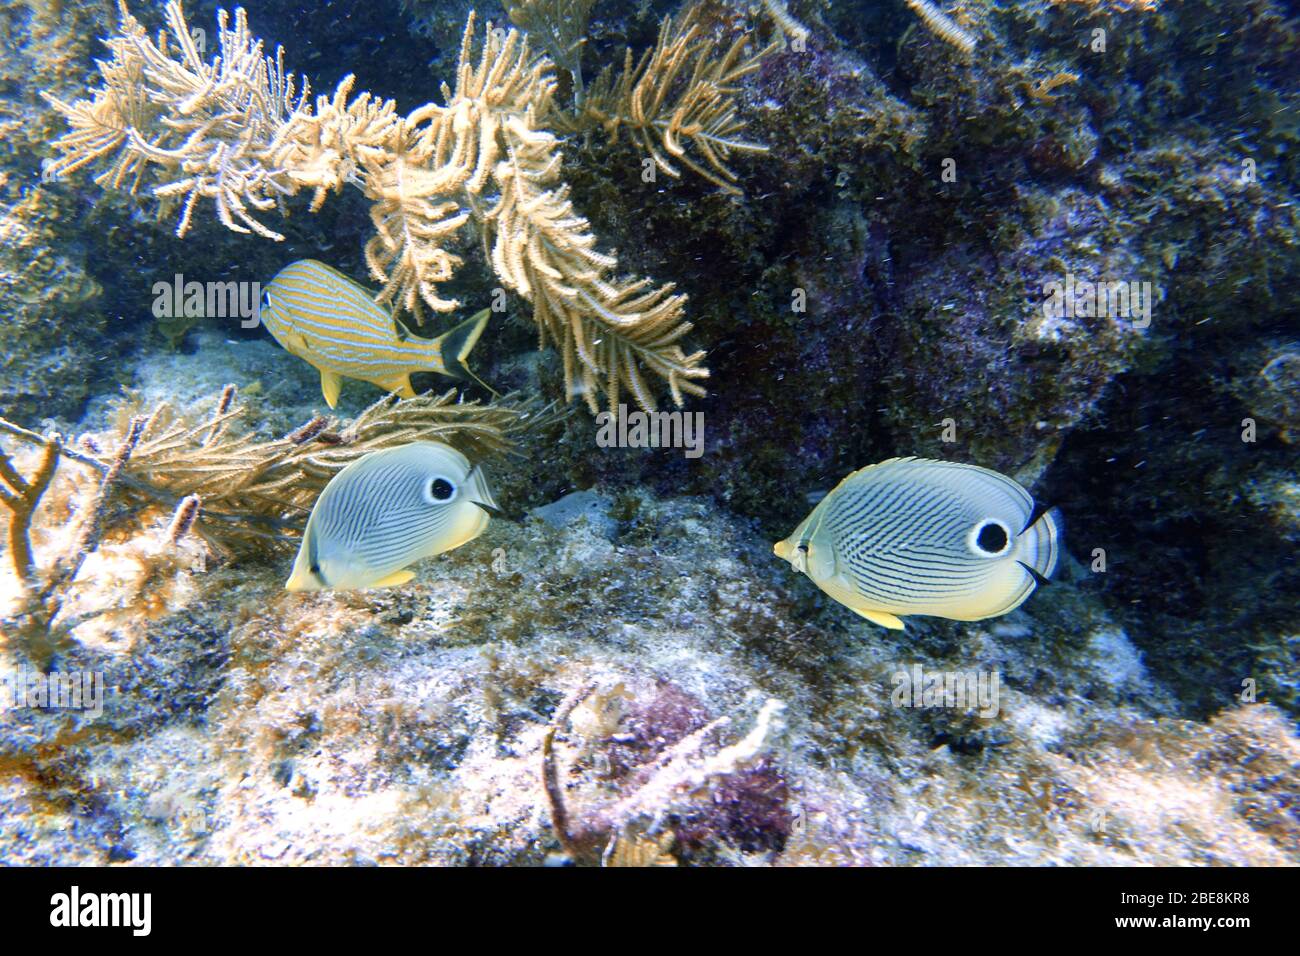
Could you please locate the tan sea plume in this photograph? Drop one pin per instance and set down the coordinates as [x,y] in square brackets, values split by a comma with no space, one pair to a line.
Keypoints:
[238,132]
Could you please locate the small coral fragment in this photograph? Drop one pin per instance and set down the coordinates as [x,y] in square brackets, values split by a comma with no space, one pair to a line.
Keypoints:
[943,26]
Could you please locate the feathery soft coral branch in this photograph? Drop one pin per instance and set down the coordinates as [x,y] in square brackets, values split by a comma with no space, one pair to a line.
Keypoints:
[235,132]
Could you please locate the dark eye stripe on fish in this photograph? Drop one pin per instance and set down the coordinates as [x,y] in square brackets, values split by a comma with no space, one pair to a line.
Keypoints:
[901,537]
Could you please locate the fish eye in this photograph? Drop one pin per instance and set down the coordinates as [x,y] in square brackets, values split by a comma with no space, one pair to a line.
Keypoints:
[439,490]
[266,300]
[990,538]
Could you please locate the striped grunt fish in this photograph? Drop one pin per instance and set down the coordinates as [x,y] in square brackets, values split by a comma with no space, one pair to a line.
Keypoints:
[915,536]
[320,315]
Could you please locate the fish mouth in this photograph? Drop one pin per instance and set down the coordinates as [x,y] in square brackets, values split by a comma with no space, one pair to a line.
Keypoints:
[796,552]
[481,495]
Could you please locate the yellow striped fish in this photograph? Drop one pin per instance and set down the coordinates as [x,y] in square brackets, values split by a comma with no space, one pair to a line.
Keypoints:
[387,510]
[915,536]
[320,315]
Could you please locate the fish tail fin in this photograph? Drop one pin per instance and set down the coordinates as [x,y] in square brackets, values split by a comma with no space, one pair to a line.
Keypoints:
[455,345]
[1041,543]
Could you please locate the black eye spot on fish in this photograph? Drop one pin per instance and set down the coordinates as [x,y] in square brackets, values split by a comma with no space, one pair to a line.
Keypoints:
[440,489]
[992,538]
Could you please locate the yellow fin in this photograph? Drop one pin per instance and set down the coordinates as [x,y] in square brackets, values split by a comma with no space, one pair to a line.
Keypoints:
[401,384]
[393,580]
[330,383]
[881,618]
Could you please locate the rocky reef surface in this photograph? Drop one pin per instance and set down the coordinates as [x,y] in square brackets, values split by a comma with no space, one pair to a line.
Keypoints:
[704,706]
[699,703]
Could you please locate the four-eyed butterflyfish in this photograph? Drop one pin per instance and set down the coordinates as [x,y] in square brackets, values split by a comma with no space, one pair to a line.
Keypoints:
[915,536]
[320,315]
[386,510]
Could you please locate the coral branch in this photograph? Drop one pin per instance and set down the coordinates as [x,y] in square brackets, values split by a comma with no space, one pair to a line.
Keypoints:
[678,777]
[254,492]
[92,524]
[560,26]
[21,496]
[237,133]
[550,774]
[680,94]
[943,26]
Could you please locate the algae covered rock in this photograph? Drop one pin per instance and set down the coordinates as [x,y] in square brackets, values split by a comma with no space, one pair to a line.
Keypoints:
[674,695]
[51,325]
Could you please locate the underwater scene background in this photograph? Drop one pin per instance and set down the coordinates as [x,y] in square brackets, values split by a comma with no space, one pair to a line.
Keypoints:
[1053,239]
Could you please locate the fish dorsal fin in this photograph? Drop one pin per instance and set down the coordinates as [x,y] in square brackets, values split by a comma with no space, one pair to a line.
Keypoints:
[330,383]
[394,579]
[885,464]
[881,618]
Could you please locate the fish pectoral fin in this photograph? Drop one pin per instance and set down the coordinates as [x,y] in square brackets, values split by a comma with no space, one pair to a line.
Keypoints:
[843,583]
[394,579]
[401,384]
[330,383]
[881,618]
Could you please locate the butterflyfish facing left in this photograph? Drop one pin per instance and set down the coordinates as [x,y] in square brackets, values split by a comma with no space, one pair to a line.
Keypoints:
[386,511]
[320,315]
[913,536]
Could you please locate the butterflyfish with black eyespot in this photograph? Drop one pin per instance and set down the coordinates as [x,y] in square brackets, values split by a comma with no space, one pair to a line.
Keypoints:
[320,315]
[912,536]
[388,510]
